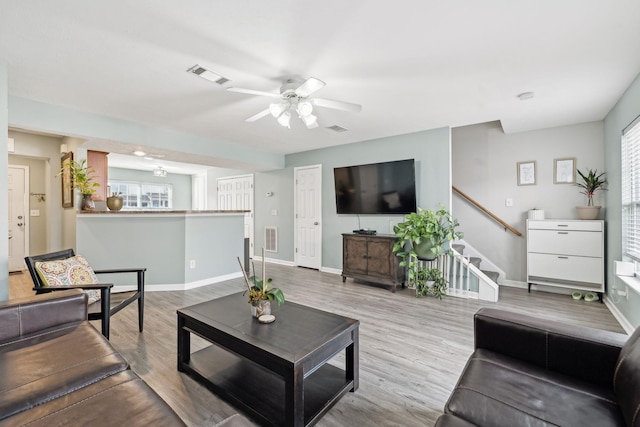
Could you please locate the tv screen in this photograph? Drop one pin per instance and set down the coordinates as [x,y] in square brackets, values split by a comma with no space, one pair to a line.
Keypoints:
[378,188]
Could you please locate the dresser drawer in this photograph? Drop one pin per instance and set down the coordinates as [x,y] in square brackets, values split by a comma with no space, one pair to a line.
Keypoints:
[578,225]
[565,268]
[566,242]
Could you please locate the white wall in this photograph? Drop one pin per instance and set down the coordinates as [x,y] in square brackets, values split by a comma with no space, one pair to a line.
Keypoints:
[484,167]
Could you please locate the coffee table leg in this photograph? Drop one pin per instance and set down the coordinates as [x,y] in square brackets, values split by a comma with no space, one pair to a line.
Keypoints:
[184,344]
[294,397]
[353,360]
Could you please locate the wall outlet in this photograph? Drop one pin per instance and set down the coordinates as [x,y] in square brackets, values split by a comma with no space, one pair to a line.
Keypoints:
[35,212]
[508,202]
[192,263]
[274,212]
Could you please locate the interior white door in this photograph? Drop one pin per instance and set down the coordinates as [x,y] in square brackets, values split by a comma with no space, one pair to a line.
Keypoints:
[18,225]
[236,193]
[308,213]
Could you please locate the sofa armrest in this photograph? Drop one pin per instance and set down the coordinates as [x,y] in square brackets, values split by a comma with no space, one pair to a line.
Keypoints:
[24,316]
[581,352]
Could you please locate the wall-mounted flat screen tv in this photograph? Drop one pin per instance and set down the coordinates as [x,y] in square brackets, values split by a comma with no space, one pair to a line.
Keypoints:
[378,188]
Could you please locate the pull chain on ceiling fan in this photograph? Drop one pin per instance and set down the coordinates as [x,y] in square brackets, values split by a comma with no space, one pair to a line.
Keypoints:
[294,98]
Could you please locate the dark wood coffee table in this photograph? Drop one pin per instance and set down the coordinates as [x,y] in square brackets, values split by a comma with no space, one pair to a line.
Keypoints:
[278,372]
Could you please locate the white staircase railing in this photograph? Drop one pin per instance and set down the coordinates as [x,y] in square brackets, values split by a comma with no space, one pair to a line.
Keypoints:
[458,269]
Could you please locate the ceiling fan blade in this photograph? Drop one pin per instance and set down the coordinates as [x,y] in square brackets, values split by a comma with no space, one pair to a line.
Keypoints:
[338,105]
[253,92]
[309,86]
[260,115]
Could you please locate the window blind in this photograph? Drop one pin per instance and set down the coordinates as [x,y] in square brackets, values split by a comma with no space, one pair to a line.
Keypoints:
[631,190]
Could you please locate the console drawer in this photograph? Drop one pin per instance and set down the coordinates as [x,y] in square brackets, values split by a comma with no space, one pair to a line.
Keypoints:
[566,242]
[563,268]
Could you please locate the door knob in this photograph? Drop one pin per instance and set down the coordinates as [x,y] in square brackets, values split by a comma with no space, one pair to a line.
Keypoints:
[20,217]
[315,223]
[19,224]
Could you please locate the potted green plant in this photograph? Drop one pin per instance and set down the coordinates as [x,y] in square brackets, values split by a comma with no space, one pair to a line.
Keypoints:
[260,294]
[423,235]
[430,281]
[82,179]
[592,181]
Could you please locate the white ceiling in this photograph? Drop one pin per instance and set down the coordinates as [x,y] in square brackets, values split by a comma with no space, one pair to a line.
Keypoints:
[412,65]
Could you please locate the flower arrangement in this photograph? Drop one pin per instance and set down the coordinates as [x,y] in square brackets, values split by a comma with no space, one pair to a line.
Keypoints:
[258,288]
[82,177]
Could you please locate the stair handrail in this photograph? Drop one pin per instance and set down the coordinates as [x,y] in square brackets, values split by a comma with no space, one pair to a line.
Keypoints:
[487,211]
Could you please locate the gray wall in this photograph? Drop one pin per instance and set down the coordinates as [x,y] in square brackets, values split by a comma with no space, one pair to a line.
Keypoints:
[181,184]
[485,167]
[622,114]
[431,151]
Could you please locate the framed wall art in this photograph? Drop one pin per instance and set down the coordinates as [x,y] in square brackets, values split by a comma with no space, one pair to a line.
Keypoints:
[527,173]
[67,184]
[564,171]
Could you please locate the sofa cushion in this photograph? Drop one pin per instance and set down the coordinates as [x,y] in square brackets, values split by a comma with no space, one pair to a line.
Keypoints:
[501,391]
[65,272]
[44,366]
[626,380]
[122,399]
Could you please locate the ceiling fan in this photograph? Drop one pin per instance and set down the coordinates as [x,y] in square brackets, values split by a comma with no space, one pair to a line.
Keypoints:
[294,98]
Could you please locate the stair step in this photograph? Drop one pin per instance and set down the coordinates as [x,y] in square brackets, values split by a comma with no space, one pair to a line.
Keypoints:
[493,275]
[475,261]
[458,247]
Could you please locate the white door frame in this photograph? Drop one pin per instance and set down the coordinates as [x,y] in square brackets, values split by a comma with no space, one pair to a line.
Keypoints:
[295,213]
[25,203]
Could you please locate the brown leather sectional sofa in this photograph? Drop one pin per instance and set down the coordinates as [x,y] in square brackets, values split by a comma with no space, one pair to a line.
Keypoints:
[57,369]
[533,372]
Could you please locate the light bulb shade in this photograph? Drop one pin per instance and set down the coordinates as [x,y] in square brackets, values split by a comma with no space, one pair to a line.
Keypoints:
[284,119]
[311,121]
[305,108]
[277,109]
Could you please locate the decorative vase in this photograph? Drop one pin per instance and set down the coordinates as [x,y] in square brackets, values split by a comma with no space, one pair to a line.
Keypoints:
[588,212]
[114,203]
[258,308]
[86,203]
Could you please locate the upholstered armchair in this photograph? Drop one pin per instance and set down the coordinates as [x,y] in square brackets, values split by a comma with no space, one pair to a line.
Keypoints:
[64,270]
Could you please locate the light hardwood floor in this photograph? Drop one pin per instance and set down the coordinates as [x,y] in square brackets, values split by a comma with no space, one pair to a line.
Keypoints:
[412,350]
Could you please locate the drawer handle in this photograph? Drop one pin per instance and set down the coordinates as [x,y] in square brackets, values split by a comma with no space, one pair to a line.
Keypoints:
[563,232]
[563,225]
[563,257]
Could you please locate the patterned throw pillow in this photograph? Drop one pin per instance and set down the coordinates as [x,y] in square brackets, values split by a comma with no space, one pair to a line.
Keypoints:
[71,271]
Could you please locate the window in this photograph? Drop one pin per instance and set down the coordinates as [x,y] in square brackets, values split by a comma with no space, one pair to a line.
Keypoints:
[631,190]
[142,196]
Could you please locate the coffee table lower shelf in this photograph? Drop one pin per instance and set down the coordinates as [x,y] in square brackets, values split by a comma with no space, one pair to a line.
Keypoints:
[260,392]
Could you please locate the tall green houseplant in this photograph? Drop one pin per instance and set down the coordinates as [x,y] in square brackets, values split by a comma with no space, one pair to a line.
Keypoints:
[423,234]
[592,181]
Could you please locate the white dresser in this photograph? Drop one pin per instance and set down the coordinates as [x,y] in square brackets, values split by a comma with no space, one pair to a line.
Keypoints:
[566,253]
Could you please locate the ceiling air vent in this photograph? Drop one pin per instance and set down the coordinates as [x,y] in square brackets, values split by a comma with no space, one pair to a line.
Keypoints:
[207,74]
[337,128]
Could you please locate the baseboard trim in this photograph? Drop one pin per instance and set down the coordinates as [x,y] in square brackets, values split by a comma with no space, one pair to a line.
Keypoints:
[331,270]
[273,261]
[178,286]
[514,284]
[626,325]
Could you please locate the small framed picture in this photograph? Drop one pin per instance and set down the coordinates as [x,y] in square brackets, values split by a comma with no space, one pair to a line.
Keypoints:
[527,173]
[564,171]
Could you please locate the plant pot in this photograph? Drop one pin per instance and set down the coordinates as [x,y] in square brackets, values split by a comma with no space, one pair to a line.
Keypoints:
[588,212]
[259,308]
[114,203]
[425,250]
[86,204]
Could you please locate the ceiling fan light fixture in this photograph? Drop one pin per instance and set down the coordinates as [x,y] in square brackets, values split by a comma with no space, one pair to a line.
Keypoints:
[310,120]
[139,153]
[159,172]
[277,109]
[305,108]
[284,119]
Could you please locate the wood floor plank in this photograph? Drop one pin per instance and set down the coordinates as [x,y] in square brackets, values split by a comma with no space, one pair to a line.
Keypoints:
[412,350]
